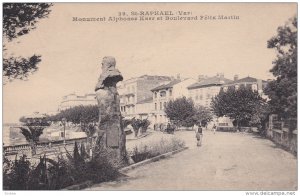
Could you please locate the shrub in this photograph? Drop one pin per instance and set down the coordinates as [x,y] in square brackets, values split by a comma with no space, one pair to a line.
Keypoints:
[157,148]
[136,125]
[144,125]
[66,171]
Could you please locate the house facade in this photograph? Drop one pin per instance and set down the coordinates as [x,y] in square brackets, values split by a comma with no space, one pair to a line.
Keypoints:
[206,88]
[72,100]
[247,82]
[133,93]
[162,94]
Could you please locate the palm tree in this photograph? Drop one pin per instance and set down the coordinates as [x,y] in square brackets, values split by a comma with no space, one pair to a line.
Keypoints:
[32,131]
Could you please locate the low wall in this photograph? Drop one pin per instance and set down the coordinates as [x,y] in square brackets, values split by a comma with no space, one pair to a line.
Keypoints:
[42,147]
[281,137]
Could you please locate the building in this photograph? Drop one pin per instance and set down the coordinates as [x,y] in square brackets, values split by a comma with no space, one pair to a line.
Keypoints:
[248,82]
[133,93]
[162,94]
[202,91]
[72,100]
[144,108]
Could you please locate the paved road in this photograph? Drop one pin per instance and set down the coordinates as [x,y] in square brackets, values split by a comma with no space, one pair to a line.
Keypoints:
[226,161]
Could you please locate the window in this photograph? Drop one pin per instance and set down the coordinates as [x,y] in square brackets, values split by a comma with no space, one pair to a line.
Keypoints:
[163,93]
[165,104]
[160,105]
[155,106]
[170,92]
[155,95]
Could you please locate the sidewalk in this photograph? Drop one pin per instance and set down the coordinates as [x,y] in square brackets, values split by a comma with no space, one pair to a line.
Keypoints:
[226,161]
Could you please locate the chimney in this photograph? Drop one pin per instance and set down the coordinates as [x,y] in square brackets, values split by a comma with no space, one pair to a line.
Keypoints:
[222,75]
[236,77]
[178,76]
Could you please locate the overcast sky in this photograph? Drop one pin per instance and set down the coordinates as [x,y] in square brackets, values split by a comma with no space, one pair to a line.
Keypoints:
[72,51]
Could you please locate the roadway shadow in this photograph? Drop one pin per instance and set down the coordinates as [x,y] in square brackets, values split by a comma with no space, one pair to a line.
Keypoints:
[273,144]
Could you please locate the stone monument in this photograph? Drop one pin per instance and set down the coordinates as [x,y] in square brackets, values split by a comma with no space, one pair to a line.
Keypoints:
[110,133]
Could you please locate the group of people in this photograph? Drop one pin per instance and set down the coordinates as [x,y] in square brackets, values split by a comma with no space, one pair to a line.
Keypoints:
[199,134]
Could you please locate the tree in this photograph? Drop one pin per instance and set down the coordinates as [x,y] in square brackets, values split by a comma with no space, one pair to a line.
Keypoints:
[136,125]
[85,116]
[181,111]
[240,104]
[282,91]
[18,20]
[202,115]
[32,131]
[144,125]
[260,116]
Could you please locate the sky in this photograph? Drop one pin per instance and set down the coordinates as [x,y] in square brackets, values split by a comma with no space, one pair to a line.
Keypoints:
[72,51]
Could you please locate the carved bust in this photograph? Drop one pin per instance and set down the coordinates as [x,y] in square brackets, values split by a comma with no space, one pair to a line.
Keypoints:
[110,76]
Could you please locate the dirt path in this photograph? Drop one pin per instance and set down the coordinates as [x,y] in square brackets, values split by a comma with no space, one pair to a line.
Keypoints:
[226,161]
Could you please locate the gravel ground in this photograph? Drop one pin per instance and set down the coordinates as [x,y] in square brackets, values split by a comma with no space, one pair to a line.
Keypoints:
[225,161]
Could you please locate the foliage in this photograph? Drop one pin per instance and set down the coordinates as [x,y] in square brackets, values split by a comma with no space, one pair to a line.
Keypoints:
[55,175]
[136,125]
[19,19]
[32,130]
[240,104]
[17,173]
[156,148]
[78,114]
[86,116]
[144,125]
[20,68]
[283,90]
[260,116]
[126,122]
[202,115]
[181,111]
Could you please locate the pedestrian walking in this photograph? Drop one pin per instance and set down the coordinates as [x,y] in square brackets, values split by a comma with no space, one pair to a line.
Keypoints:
[199,136]
[214,128]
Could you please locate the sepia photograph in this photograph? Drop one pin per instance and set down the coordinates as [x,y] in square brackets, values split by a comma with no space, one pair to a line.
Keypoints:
[150,97]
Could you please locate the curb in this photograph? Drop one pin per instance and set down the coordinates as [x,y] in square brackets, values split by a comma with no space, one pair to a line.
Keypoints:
[162,156]
[78,186]
[125,169]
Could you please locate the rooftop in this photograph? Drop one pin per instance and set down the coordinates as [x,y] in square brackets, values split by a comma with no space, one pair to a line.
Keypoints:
[245,80]
[215,80]
[168,85]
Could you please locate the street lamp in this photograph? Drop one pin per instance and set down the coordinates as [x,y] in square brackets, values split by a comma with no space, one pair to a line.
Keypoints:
[63,120]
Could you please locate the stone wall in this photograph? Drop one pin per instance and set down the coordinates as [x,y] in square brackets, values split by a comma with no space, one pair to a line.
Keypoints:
[281,138]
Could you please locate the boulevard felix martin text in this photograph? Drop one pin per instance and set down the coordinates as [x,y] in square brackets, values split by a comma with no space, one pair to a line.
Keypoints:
[155,18]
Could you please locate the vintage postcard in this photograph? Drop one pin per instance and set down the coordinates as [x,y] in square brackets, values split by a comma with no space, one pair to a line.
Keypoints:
[150,96]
